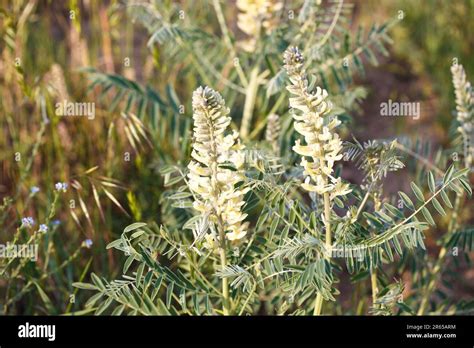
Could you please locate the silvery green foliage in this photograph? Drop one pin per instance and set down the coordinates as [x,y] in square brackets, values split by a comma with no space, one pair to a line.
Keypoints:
[280,262]
[283,255]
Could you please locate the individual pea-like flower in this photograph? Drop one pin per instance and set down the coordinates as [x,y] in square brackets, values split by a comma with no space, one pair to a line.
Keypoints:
[43,228]
[256,17]
[210,241]
[61,186]
[34,190]
[322,146]
[27,222]
[216,165]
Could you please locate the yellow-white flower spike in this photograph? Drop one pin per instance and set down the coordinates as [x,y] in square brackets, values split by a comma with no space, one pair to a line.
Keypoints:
[464,97]
[322,146]
[255,17]
[213,184]
[464,109]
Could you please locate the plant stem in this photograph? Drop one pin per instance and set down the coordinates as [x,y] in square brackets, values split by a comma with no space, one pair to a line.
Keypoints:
[227,40]
[248,299]
[327,219]
[249,105]
[225,285]
[373,282]
[373,272]
[318,304]
[225,281]
[362,205]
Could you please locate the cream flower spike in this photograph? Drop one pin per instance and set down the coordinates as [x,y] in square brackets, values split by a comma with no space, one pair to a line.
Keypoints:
[213,185]
[464,97]
[256,16]
[464,109]
[323,145]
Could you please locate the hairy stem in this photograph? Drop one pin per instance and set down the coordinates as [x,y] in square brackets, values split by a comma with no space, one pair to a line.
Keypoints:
[225,281]
[373,282]
[327,219]
[373,272]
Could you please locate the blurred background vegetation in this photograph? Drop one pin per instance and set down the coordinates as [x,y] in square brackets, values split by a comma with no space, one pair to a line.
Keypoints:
[432,34]
[111,162]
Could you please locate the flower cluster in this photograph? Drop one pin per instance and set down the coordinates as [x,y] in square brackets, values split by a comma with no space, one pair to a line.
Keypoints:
[255,16]
[61,187]
[27,222]
[310,111]
[216,165]
[464,106]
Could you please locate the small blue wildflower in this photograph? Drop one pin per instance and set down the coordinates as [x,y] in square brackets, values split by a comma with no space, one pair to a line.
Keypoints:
[43,228]
[61,187]
[27,221]
[88,243]
[34,189]
[56,222]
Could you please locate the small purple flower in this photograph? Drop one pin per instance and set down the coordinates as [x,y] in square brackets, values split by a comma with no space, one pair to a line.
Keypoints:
[61,186]
[34,189]
[27,222]
[88,243]
[56,222]
[43,228]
